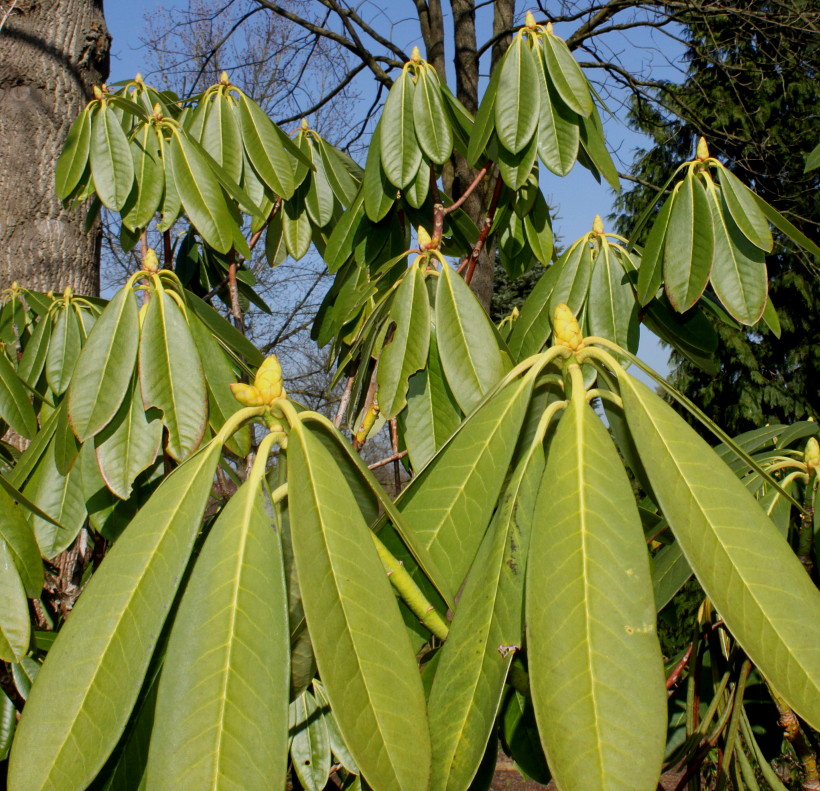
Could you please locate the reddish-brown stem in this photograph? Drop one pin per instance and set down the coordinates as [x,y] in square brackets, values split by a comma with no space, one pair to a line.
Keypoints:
[440,211]
[144,245]
[472,259]
[168,252]
[675,675]
[233,290]
[469,191]
[395,457]
[258,235]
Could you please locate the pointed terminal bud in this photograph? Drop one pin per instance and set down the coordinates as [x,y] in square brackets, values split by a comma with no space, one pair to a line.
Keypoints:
[247,395]
[157,111]
[304,125]
[138,79]
[702,152]
[268,379]
[424,237]
[529,20]
[597,224]
[224,79]
[565,328]
[811,456]
[68,293]
[515,313]
[415,55]
[15,286]
[150,262]
[549,29]
[98,94]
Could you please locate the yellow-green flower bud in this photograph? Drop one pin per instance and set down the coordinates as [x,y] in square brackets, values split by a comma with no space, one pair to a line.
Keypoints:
[247,395]
[529,20]
[268,379]
[150,262]
[565,328]
[811,455]
[702,152]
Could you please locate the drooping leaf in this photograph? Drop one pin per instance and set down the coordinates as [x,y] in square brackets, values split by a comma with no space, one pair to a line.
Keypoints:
[221,716]
[265,149]
[105,366]
[99,660]
[221,137]
[8,725]
[574,273]
[566,75]
[149,176]
[516,169]
[309,742]
[484,120]
[63,349]
[407,351]
[518,99]
[15,407]
[449,504]
[111,163]
[594,143]
[533,327]
[33,361]
[400,152]
[343,173]
[594,660]
[538,230]
[362,649]
[484,636]
[16,532]
[689,245]
[650,274]
[669,573]
[743,563]
[319,199]
[15,627]
[73,158]
[611,310]
[467,344]
[378,193]
[171,376]
[745,210]
[430,120]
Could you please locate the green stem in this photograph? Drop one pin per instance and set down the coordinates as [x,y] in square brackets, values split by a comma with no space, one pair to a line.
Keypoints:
[806,533]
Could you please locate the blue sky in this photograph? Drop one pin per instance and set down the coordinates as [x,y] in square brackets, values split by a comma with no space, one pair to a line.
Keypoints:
[578,196]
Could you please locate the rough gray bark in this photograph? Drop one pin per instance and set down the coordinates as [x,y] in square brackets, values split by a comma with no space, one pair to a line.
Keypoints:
[51,54]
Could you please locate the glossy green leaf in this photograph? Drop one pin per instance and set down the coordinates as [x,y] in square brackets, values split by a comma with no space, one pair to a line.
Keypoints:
[484,636]
[435,137]
[15,629]
[739,270]
[319,198]
[467,344]
[221,137]
[8,725]
[15,407]
[33,361]
[518,98]
[201,195]
[650,275]
[449,504]
[594,143]
[574,273]
[105,366]
[171,204]
[379,194]
[670,571]
[594,660]
[73,159]
[296,228]
[771,319]
[265,149]
[432,413]
[342,172]
[63,349]
[362,649]
[521,739]
[612,311]
[337,744]
[745,210]
[516,169]
[400,152]
[407,351]
[566,75]
[224,331]
[61,497]
[558,126]
[221,716]
[533,326]
[341,242]
[16,532]
[416,193]
[310,742]
[149,176]
[110,156]
[66,446]
[689,245]
[98,662]
[484,120]
[128,444]
[743,563]
[538,230]
[275,250]
[171,376]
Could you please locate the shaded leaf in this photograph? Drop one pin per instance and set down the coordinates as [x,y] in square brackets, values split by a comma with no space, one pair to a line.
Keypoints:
[15,629]
[518,97]
[110,157]
[400,152]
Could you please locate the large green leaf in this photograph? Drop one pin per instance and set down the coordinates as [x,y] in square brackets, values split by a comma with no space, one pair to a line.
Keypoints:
[361,645]
[15,407]
[378,193]
[467,343]
[484,636]
[669,573]
[449,504]
[745,210]
[407,351]
[8,725]
[594,659]
[650,275]
[265,149]
[518,97]
[612,311]
[32,362]
[739,270]
[594,143]
[98,661]
[558,129]
[150,178]
[128,445]
[16,532]
[105,366]
[484,120]
[689,245]
[15,628]
[745,566]
[309,742]
[319,200]
[201,195]
[221,137]
[538,230]
[111,163]
[171,376]
[221,716]
[63,349]
[431,122]
[566,75]
[400,152]
[432,413]
[516,169]
[343,173]
[74,157]
[533,327]
[574,274]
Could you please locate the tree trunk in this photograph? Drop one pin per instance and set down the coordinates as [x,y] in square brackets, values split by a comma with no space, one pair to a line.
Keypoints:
[51,54]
